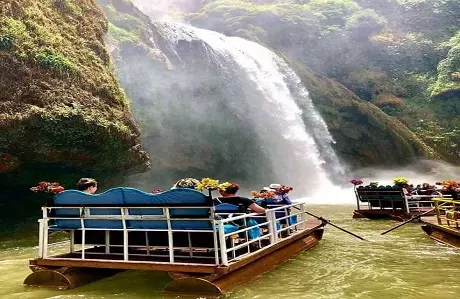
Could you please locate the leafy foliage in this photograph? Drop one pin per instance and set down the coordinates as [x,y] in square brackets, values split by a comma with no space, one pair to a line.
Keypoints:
[57,61]
[403,55]
[6,42]
[60,104]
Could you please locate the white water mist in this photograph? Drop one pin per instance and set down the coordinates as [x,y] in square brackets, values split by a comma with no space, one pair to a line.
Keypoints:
[297,144]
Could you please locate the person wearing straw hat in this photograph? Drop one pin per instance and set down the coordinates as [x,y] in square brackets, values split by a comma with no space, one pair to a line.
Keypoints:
[281,196]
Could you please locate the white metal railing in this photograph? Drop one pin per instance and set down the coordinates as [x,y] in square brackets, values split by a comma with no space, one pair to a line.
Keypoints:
[273,226]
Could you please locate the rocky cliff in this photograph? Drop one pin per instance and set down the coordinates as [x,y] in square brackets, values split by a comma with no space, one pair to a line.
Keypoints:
[61,108]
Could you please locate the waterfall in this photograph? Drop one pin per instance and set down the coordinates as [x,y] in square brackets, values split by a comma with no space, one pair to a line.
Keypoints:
[297,143]
[261,91]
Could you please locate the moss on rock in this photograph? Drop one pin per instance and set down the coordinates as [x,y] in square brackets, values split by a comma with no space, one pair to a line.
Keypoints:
[60,103]
[364,134]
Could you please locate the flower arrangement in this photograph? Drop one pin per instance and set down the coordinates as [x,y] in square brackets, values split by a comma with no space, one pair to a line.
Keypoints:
[356,182]
[48,187]
[284,190]
[207,183]
[400,181]
[186,183]
[223,186]
[450,184]
[266,194]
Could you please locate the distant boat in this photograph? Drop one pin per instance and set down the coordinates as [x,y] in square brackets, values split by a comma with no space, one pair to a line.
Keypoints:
[445,226]
[387,202]
[178,231]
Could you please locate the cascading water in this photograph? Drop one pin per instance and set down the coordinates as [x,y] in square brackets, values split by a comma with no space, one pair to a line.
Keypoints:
[297,145]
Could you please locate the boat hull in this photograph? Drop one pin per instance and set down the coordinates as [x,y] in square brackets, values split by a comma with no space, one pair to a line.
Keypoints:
[216,285]
[442,234]
[385,214]
[65,272]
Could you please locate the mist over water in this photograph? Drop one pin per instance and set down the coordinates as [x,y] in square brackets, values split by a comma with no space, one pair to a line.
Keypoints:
[261,93]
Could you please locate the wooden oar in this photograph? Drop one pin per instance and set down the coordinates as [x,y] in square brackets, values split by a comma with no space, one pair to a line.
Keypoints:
[412,219]
[336,226]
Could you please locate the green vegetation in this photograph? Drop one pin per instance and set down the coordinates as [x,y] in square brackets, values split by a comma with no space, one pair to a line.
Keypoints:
[61,106]
[6,42]
[401,55]
[57,61]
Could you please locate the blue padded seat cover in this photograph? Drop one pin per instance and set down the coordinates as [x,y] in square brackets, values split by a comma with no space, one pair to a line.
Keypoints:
[174,197]
[79,198]
[131,197]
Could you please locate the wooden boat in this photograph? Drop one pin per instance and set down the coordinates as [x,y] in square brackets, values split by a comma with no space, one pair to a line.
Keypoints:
[389,203]
[444,227]
[178,231]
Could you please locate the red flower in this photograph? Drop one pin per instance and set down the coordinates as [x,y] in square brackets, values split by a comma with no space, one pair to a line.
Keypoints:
[57,189]
[48,187]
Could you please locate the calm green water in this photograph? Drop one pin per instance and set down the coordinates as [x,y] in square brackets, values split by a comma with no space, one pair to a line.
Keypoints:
[403,264]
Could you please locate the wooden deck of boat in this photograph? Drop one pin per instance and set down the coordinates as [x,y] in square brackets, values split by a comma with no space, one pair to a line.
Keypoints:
[97,259]
[429,219]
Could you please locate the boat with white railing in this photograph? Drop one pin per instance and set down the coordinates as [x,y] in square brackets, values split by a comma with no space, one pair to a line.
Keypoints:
[391,203]
[445,226]
[206,248]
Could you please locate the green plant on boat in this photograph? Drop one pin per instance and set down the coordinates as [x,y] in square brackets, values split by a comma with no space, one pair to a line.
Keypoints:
[400,181]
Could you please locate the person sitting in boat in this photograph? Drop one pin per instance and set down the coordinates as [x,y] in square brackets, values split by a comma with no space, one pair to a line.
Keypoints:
[425,189]
[407,190]
[229,196]
[190,183]
[87,185]
[281,194]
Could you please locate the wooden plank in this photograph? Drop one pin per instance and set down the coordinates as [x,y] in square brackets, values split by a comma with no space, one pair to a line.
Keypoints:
[127,265]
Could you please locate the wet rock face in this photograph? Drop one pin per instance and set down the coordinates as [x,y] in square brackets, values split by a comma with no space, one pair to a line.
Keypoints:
[60,103]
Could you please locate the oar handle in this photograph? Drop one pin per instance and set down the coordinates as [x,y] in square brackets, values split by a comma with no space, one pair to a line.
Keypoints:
[412,219]
[336,226]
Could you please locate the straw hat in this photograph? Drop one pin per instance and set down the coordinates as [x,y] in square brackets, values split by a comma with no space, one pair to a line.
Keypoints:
[275,186]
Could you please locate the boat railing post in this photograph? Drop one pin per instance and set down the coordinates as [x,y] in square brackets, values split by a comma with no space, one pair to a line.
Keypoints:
[170,235]
[406,201]
[357,198]
[223,245]
[273,225]
[41,234]
[107,242]
[124,212]
[45,232]
[83,232]
[72,241]
[147,242]
[214,234]
[438,214]
[271,231]
[302,216]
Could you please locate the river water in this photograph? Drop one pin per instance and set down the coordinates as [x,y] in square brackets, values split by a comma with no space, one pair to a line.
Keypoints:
[403,264]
